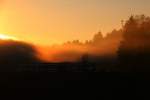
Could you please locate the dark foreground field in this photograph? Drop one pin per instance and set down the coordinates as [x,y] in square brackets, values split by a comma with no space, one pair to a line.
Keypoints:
[67,76]
[48,76]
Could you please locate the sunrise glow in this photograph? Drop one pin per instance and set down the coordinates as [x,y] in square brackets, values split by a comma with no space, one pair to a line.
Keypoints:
[6,37]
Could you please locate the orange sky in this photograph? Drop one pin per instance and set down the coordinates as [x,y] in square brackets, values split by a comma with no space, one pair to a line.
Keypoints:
[56,21]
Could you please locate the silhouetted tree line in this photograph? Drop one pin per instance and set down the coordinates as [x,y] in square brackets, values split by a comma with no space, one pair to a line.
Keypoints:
[134,51]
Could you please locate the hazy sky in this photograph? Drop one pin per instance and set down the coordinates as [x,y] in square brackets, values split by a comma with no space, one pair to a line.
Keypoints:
[56,21]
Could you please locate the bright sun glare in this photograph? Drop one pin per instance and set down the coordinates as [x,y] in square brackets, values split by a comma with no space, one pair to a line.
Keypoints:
[7,37]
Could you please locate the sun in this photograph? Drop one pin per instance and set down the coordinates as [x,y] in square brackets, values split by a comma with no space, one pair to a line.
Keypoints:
[7,37]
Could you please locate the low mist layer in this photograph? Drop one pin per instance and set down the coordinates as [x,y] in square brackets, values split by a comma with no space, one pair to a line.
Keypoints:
[71,51]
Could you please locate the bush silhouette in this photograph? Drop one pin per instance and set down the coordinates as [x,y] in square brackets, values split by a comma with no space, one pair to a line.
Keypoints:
[13,52]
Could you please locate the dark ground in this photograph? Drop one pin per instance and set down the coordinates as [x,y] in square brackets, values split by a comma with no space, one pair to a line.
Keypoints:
[65,75]
[57,77]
